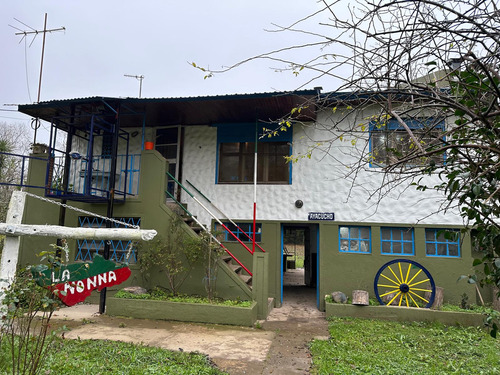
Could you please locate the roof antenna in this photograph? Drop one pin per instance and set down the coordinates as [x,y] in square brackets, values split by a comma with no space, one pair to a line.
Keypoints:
[36,123]
[140,78]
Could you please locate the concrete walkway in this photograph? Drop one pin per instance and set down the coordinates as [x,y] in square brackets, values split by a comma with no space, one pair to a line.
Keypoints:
[280,346]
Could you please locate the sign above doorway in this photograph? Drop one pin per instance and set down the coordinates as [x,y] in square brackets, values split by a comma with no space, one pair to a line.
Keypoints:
[321,216]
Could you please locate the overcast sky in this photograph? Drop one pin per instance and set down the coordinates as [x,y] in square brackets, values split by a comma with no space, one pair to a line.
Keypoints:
[156,38]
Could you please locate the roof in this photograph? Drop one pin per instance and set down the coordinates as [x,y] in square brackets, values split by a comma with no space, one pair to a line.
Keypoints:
[201,110]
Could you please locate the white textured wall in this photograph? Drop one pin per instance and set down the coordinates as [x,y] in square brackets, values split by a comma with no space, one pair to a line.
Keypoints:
[320,182]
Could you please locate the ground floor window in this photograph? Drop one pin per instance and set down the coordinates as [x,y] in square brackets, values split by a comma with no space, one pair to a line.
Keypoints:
[120,250]
[442,243]
[397,241]
[243,231]
[353,239]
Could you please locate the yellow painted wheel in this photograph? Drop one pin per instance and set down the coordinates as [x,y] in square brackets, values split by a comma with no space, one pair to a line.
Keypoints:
[404,282]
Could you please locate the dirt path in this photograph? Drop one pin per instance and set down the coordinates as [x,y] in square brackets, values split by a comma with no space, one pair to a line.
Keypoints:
[280,346]
[294,325]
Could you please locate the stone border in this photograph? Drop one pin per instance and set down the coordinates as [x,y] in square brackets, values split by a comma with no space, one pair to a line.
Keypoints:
[182,311]
[405,314]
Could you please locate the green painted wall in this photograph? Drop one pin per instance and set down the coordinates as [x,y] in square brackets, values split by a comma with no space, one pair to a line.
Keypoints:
[349,271]
[149,205]
[337,271]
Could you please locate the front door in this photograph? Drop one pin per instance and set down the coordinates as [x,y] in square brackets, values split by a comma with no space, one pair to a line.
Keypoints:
[300,257]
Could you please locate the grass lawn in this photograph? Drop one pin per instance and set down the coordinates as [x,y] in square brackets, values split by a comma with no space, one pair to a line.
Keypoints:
[361,346]
[95,357]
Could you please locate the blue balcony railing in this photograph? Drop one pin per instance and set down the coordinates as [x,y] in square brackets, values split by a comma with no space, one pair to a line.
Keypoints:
[93,181]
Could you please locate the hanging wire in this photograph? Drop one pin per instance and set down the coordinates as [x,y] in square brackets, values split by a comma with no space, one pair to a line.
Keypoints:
[26,67]
[82,211]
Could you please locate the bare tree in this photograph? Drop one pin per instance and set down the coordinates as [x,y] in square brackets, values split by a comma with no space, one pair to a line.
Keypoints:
[14,139]
[428,71]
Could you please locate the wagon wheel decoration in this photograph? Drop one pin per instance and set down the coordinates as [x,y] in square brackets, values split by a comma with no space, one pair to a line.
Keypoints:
[405,282]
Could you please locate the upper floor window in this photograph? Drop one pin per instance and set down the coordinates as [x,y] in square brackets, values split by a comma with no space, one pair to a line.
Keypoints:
[442,243]
[355,239]
[397,241]
[236,155]
[391,142]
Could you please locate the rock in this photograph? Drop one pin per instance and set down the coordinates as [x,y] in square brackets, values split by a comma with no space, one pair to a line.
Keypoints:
[135,290]
[389,297]
[339,297]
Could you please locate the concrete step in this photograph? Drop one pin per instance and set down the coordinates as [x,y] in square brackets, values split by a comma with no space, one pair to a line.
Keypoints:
[246,279]
[236,268]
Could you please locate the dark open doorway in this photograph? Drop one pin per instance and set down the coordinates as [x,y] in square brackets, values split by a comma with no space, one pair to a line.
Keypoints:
[299,260]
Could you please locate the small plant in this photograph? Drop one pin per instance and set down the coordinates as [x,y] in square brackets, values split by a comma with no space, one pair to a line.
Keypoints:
[464,302]
[24,330]
[160,295]
[173,255]
[211,254]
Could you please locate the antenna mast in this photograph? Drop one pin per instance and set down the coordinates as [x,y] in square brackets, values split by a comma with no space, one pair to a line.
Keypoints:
[140,78]
[36,32]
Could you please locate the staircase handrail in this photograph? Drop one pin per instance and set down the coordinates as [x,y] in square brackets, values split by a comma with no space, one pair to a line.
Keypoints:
[209,212]
[223,214]
[208,232]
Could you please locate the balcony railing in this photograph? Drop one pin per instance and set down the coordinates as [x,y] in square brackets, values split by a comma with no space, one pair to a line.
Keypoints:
[93,181]
[84,182]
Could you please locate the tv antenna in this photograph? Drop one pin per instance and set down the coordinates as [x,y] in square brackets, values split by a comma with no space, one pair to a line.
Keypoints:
[139,78]
[24,33]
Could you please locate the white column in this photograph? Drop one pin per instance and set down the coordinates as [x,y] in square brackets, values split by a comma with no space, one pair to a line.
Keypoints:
[10,253]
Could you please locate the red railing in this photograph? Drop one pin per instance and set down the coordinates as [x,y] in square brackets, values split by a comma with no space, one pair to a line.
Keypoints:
[207,231]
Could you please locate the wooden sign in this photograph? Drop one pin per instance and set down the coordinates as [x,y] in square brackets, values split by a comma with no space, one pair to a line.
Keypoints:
[75,282]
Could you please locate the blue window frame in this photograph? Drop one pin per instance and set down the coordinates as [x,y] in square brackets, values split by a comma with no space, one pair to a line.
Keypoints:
[354,239]
[119,250]
[239,231]
[442,243]
[390,142]
[397,241]
[236,151]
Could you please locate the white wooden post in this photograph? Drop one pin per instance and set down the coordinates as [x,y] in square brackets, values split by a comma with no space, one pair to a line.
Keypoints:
[10,253]
[76,233]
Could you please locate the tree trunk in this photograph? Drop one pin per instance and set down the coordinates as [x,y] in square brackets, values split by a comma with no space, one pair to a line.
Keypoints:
[360,297]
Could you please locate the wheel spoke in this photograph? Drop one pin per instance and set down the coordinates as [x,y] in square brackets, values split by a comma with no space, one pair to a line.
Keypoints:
[399,282]
[406,298]
[400,299]
[387,286]
[400,271]
[415,302]
[408,273]
[393,298]
[420,282]
[422,290]
[391,280]
[386,294]
[420,270]
[419,296]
